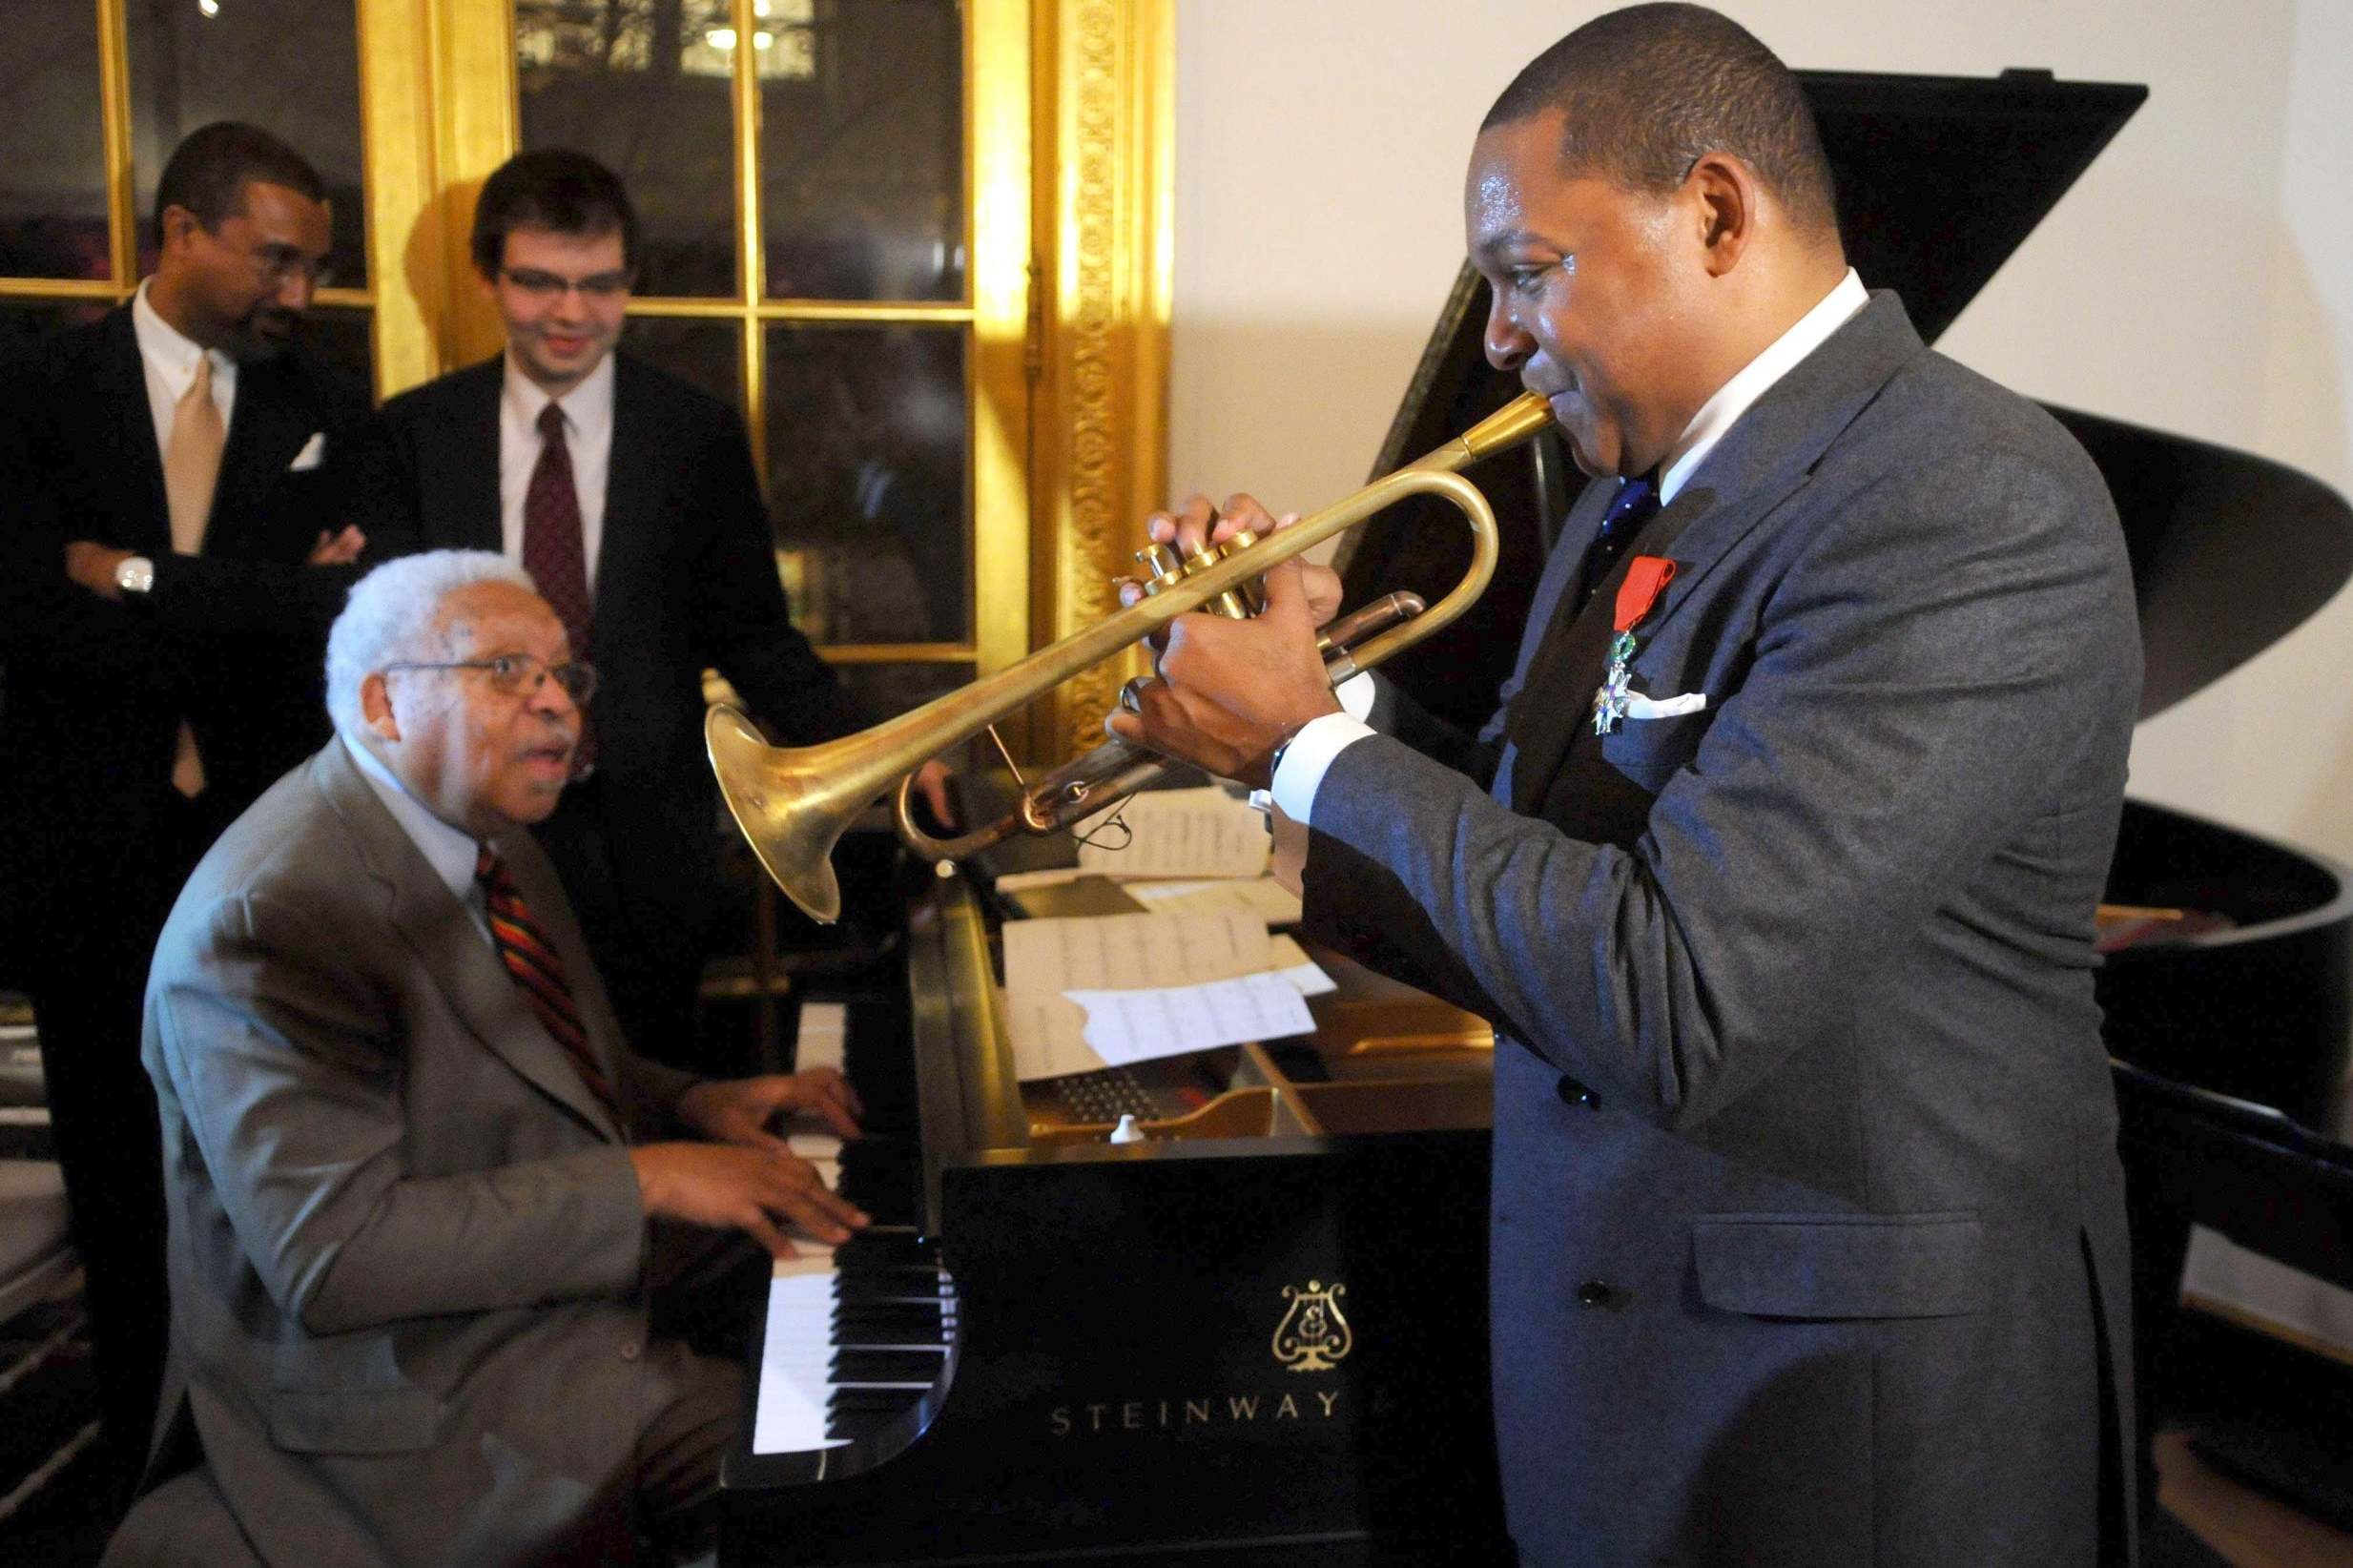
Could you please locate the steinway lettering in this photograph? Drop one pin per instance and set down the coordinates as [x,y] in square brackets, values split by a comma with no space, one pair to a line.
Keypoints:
[1117,1415]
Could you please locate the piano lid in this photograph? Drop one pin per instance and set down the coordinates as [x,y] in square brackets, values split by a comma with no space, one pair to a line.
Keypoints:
[1940,179]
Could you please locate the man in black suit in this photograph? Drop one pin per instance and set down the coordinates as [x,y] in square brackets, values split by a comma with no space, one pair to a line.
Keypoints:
[165,587]
[630,499]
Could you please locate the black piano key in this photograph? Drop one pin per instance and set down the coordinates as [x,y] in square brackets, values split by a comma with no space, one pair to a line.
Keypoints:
[878,1246]
[893,1325]
[887,1283]
[884,1366]
[844,1400]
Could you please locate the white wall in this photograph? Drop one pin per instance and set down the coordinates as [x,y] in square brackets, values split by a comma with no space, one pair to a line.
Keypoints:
[2193,280]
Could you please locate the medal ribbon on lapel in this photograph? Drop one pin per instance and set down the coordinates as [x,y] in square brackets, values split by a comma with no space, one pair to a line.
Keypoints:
[1637,592]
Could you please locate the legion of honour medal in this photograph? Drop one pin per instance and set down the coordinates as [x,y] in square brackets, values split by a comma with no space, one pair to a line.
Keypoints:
[1646,576]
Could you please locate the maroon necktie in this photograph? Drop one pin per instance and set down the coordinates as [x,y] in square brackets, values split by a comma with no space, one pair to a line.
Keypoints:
[555,554]
[532,964]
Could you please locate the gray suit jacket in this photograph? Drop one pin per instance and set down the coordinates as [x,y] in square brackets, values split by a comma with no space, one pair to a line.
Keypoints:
[1808,1241]
[405,1246]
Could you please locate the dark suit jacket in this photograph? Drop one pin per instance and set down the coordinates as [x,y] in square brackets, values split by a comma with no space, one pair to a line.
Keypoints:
[406,1241]
[1807,1231]
[232,639]
[686,581]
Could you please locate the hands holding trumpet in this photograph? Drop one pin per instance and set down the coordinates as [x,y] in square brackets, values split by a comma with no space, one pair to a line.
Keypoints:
[1226,692]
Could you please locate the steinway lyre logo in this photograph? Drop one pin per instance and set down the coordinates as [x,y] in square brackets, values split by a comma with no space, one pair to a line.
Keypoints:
[1313,1335]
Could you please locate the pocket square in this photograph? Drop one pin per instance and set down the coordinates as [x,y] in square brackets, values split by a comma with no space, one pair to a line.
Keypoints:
[314,452]
[1640,707]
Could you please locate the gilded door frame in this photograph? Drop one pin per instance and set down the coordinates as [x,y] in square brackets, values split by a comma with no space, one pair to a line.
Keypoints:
[1107,107]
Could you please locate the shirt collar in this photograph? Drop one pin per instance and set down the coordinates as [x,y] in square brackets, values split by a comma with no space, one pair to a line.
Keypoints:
[587,408]
[1721,412]
[451,852]
[165,346]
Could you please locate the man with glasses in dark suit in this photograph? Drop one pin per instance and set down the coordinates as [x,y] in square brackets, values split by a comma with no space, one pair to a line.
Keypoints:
[171,553]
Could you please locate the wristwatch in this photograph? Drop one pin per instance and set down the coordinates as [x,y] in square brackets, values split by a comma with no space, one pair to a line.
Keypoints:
[135,574]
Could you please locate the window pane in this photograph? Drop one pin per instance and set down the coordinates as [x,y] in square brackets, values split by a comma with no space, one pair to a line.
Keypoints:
[52,143]
[641,86]
[291,66]
[863,149]
[867,481]
[890,689]
[708,354]
[26,323]
[344,339]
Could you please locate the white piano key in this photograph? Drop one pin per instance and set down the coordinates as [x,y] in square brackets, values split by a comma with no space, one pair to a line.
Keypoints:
[790,1413]
[824,1025]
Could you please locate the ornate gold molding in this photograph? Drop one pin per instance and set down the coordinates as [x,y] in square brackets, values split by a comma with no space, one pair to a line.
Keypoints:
[1106,153]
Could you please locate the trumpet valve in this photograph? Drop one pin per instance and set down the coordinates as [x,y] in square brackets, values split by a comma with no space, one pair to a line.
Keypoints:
[1229,603]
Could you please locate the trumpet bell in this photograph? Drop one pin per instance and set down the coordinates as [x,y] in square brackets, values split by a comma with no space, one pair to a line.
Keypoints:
[779,810]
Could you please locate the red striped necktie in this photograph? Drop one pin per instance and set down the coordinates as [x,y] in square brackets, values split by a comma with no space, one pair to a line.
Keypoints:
[532,964]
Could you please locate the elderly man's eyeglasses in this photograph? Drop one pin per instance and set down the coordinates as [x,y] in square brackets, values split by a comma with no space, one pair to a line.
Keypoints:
[547,287]
[519,674]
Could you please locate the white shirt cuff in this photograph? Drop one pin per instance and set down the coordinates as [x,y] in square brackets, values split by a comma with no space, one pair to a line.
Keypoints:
[1311,751]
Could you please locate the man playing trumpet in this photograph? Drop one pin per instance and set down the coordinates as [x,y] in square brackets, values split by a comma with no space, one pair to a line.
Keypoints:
[1775,869]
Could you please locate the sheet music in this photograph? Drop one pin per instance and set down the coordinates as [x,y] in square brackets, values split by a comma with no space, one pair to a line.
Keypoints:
[1261,896]
[1113,952]
[1178,833]
[1130,1026]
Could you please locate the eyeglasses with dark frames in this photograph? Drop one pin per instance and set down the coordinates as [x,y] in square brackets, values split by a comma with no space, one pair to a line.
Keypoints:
[519,674]
[547,287]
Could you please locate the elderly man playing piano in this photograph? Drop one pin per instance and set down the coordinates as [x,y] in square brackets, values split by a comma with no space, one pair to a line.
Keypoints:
[421,1192]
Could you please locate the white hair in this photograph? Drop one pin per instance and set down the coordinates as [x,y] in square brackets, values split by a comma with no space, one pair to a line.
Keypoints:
[392,616]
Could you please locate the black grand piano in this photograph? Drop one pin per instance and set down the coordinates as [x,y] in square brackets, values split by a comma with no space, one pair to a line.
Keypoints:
[1261,1335]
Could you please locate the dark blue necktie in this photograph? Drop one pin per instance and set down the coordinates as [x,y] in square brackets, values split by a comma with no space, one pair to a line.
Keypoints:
[1636,502]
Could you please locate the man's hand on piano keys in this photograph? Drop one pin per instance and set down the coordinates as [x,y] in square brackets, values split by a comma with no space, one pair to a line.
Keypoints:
[750,1110]
[728,1185]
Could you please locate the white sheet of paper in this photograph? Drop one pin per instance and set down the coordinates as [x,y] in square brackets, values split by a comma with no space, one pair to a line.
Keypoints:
[1261,896]
[1126,1027]
[1179,833]
[1044,958]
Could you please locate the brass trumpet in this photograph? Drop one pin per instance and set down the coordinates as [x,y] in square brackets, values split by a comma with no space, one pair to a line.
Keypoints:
[792,803]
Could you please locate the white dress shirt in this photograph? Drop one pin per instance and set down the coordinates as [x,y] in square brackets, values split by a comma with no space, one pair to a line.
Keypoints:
[587,437]
[451,852]
[1312,749]
[169,358]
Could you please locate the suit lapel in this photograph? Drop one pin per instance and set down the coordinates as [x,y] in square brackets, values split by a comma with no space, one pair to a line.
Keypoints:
[631,473]
[147,521]
[458,454]
[1759,464]
[454,951]
[267,430]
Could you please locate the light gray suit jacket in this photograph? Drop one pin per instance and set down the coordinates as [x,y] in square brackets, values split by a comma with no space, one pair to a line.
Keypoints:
[1808,1241]
[406,1240]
